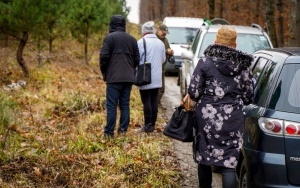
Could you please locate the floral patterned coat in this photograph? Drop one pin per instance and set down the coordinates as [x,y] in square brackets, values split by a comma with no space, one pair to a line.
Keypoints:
[221,84]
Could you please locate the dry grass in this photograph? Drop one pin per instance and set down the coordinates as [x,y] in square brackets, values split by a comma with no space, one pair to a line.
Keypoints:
[51,130]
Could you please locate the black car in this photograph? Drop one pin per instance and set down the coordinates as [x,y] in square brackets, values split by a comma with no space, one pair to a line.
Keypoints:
[271,149]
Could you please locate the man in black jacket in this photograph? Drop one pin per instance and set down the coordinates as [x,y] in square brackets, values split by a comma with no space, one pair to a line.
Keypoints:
[119,55]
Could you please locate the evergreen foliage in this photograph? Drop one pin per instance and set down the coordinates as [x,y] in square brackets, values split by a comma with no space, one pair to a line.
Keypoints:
[47,20]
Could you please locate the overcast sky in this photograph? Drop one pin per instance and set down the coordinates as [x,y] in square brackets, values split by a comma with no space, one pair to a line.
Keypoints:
[133,15]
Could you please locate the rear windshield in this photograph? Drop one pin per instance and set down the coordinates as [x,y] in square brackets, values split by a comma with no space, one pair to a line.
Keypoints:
[249,43]
[181,35]
[286,96]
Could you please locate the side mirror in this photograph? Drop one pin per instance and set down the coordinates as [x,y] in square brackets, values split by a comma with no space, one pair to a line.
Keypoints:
[187,55]
[172,59]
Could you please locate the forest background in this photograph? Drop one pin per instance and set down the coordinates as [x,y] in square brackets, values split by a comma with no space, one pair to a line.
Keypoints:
[52,122]
[280,18]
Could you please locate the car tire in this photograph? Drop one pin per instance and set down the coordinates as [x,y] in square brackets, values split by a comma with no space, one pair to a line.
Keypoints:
[181,89]
[244,177]
[181,85]
[184,89]
[179,77]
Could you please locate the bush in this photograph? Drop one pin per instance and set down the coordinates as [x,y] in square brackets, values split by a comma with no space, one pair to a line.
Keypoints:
[7,107]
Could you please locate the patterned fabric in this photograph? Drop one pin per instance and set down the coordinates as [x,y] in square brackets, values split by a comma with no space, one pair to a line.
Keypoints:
[221,84]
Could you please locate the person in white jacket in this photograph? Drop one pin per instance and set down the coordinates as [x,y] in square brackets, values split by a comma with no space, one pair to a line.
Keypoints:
[155,54]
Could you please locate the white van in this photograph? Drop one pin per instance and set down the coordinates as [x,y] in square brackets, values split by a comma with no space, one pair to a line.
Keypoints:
[182,31]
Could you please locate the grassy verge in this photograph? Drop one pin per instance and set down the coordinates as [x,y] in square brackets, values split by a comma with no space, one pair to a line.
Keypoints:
[51,135]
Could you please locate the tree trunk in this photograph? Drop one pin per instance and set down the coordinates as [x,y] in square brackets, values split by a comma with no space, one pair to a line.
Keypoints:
[51,39]
[39,49]
[280,33]
[257,11]
[295,23]
[152,15]
[222,2]
[211,9]
[271,21]
[162,8]
[20,59]
[86,43]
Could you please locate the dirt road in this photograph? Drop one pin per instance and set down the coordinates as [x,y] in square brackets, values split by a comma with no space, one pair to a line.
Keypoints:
[183,150]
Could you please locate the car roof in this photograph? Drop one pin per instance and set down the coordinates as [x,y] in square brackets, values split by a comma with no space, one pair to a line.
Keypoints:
[291,51]
[290,54]
[239,29]
[284,55]
[189,22]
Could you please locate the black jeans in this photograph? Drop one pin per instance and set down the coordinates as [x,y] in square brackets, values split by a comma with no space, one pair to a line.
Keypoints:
[149,100]
[205,176]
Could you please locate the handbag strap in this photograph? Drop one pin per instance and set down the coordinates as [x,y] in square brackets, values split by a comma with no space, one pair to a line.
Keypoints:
[186,102]
[144,41]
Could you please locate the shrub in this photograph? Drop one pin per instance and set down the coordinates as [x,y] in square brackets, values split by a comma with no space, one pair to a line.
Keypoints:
[7,108]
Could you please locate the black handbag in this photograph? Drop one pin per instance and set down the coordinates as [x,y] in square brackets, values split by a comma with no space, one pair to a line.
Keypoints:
[181,124]
[143,72]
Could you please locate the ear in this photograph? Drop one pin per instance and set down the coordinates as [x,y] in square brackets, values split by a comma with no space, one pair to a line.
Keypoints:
[234,46]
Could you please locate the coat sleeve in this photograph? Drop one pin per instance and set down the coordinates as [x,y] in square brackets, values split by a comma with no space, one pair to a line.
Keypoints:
[167,46]
[197,84]
[136,55]
[104,57]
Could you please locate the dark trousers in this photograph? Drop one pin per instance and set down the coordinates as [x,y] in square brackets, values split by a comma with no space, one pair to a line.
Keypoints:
[150,104]
[205,176]
[117,94]
[161,90]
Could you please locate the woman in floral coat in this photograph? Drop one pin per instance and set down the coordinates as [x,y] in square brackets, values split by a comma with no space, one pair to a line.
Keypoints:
[221,84]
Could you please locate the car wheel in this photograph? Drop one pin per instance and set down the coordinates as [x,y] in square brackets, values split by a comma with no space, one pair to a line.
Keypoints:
[179,77]
[244,178]
[184,92]
[182,89]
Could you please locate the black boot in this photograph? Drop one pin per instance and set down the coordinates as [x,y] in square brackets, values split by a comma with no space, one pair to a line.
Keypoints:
[147,128]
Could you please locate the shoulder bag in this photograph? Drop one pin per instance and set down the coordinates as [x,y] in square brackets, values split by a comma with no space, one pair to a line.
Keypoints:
[143,71]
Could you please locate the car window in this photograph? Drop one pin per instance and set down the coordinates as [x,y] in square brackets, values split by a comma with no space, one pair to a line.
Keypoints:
[259,65]
[286,96]
[263,84]
[248,43]
[251,43]
[181,35]
[208,39]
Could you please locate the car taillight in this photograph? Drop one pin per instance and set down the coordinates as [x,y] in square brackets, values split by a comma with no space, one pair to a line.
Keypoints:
[292,128]
[273,126]
[279,127]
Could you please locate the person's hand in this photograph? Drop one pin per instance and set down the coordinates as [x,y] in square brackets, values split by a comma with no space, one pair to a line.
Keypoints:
[170,51]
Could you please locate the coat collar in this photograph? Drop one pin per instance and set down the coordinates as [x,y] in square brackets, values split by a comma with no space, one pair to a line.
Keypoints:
[227,53]
[228,61]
